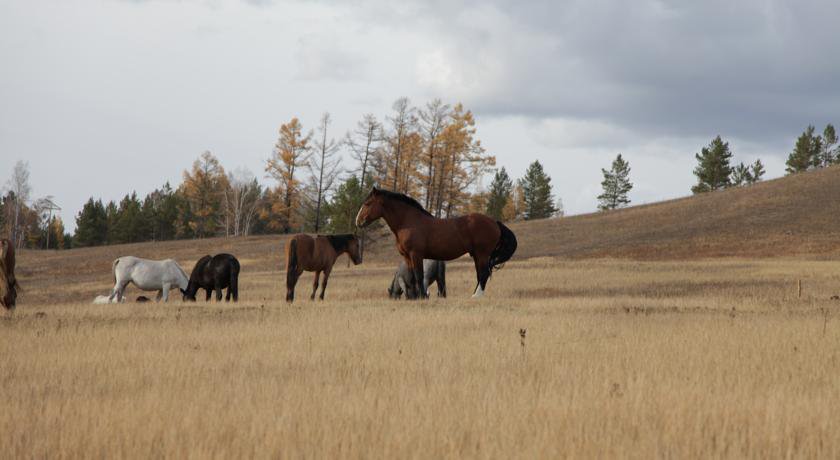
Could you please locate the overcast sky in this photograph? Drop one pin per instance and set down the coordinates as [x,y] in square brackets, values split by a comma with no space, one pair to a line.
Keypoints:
[103,97]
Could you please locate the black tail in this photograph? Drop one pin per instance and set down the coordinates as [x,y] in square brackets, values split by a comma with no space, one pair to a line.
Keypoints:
[504,249]
[233,288]
[291,270]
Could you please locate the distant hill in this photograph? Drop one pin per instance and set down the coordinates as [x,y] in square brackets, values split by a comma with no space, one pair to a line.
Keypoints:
[793,215]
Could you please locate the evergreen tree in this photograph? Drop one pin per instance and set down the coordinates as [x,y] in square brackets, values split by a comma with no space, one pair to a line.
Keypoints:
[129,225]
[756,171]
[828,155]
[805,153]
[340,212]
[501,190]
[741,175]
[713,170]
[536,187]
[616,185]
[111,216]
[91,225]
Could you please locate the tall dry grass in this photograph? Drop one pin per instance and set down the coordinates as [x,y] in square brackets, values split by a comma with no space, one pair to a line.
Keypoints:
[700,359]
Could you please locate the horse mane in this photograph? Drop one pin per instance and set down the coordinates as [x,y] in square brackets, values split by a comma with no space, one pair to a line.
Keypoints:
[404,199]
[340,242]
[198,265]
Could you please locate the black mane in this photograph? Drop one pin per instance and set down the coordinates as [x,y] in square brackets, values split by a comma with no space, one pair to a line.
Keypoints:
[340,242]
[405,199]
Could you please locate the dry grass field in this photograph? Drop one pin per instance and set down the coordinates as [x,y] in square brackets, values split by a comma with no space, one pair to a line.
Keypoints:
[663,349]
[714,358]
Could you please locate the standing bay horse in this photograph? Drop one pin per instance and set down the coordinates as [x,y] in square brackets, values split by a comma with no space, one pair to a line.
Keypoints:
[316,255]
[8,283]
[422,236]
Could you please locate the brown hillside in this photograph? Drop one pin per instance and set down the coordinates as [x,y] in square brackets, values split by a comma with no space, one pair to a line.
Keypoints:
[795,215]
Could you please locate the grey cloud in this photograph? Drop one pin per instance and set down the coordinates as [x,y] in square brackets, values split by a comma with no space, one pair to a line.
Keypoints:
[756,68]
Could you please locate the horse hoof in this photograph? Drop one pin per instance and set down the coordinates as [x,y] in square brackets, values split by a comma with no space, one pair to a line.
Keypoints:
[478,293]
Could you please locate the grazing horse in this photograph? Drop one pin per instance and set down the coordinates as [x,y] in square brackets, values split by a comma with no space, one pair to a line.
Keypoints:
[8,283]
[434,271]
[318,254]
[148,275]
[214,273]
[422,236]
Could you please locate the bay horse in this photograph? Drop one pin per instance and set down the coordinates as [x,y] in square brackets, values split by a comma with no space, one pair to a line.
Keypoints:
[147,275]
[318,254]
[421,236]
[8,283]
[214,273]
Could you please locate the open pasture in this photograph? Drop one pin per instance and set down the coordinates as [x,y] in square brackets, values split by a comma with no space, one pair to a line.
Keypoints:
[703,358]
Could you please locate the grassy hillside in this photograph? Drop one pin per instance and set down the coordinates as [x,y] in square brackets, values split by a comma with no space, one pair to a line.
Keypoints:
[796,215]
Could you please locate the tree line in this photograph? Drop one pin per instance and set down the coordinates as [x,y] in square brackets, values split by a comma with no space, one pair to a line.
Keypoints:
[319,181]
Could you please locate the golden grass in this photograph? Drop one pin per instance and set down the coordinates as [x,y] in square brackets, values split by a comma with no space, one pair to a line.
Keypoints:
[640,359]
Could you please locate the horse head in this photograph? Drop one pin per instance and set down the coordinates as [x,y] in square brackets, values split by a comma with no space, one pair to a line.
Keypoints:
[354,250]
[373,208]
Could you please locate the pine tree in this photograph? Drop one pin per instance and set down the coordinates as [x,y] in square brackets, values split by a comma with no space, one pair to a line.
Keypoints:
[341,211]
[501,190]
[713,170]
[741,175]
[756,171]
[536,187]
[616,185]
[91,225]
[828,155]
[804,153]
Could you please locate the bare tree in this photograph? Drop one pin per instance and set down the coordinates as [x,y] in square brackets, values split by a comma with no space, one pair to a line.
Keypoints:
[402,123]
[432,122]
[364,143]
[44,207]
[242,198]
[18,184]
[323,167]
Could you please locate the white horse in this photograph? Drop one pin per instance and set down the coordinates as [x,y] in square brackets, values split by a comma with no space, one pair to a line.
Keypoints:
[148,275]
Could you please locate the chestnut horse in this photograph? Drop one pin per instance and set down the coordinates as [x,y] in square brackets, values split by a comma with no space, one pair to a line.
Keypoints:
[316,255]
[422,236]
[8,283]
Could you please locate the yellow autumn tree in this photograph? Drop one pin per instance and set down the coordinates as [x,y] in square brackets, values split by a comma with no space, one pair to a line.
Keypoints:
[462,161]
[290,154]
[203,189]
[515,207]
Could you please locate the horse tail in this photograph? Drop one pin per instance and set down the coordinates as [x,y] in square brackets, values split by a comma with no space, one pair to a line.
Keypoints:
[504,248]
[291,263]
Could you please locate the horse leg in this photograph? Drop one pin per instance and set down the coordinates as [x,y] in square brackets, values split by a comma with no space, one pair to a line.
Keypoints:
[315,285]
[482,272]
[233,289]
[165,290]
[159,295]
[417,265]
[324,284]
[441,280]
[218,293]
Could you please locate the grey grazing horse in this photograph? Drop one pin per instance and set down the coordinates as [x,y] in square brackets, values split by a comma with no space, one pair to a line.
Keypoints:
[147,275]
[434,271]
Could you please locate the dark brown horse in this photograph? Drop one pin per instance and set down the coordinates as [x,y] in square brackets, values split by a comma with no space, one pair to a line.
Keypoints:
[304,253]
[8,283]
[422,236]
